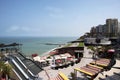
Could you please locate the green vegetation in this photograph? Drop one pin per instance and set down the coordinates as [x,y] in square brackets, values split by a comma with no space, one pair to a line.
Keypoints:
[91,47]
[102,48]
[69,44]
[5,69]
[81,44]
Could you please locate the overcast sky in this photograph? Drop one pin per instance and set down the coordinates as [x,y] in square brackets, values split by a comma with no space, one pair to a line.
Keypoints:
[54,17]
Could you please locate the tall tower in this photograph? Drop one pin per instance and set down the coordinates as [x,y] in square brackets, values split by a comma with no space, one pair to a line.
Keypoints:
[108,23]
[115,26]
[93,31]
[112,27]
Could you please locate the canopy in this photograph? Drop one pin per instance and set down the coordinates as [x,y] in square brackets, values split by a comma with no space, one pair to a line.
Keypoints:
[53,52]
[63,56]
[57,57]
[34,55]
[67,54]
[111,50]
[37,58]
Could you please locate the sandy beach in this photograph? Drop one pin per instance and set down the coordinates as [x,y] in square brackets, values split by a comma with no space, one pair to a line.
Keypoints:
[52,73]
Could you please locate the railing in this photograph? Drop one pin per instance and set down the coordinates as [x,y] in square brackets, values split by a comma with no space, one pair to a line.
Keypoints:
[25,75]
[17,74]
[25,67]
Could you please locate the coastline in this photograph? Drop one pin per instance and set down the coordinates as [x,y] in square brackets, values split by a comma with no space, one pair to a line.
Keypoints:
[47,53]
[33,45]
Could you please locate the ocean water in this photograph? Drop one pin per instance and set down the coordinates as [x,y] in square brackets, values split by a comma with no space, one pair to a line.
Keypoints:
[37,45]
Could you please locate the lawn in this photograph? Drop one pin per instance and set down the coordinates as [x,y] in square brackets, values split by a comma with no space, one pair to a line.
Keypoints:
[81,44]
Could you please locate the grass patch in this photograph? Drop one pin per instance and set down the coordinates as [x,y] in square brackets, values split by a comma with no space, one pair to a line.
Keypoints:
[81,44]
[67,45]
[90,47]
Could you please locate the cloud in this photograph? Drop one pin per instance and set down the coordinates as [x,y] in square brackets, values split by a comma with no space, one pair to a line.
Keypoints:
[25,29]
[53,15]
[13,28]
[18,29]
[54,12]
[54,9]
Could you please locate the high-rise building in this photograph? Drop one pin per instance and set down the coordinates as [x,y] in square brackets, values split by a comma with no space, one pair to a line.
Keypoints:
[119,29]
[108,23]
[104,30]
[116,25]
[99,29]
[111,27]
[93,31]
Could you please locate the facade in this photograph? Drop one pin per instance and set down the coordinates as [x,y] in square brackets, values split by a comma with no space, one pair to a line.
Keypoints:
[92,41]
[99,30]
[119,29]
[104,29]
[93,31]
[110,29]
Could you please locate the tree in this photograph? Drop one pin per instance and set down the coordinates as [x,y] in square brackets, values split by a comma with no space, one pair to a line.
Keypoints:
[5,70]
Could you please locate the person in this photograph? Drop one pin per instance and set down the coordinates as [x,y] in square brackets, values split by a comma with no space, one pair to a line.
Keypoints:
[94,56]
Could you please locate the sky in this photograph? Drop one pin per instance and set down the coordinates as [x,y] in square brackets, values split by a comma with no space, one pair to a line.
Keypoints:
[54,17]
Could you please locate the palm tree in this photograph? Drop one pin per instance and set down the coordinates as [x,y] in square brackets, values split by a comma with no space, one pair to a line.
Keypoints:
[1,68]
[5,70]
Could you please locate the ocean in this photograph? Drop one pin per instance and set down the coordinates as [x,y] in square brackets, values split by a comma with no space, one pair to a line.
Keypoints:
[37,45]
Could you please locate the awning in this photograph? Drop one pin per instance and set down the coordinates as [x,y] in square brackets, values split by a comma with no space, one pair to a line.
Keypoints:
[37,58]
[111,50]
[67,54]
[34,55]
[57,57]
[53,52]
[63,56]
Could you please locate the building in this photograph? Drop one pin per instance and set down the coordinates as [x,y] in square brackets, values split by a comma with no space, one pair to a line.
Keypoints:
[119,29]
[93,31]
[111,27]
[118,32]
[109,30]
[99,30]
[104,29]
[92,41]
